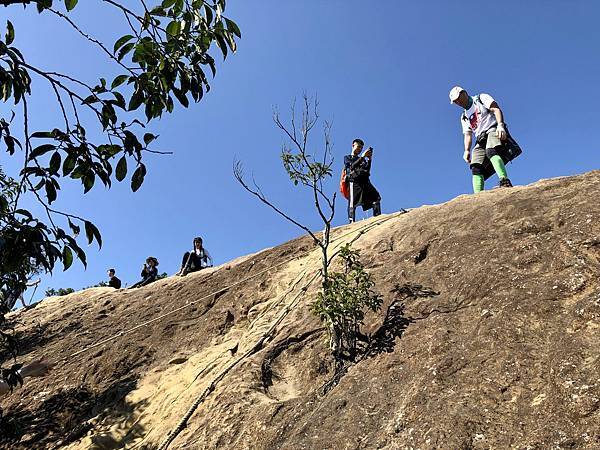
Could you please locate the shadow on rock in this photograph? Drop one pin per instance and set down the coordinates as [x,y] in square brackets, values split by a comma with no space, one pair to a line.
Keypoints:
[65,417]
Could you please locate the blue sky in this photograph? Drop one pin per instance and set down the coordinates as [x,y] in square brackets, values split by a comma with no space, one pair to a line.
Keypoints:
[381,73]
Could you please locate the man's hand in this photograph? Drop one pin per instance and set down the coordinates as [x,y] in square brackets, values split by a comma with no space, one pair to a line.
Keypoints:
[501,132]
[467,156]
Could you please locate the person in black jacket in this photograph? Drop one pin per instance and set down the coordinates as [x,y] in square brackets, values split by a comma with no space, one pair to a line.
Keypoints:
[113,281]
[358,173]
[149,272]
[197,259]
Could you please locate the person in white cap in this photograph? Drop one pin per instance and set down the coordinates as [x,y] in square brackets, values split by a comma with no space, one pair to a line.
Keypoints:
[483,117]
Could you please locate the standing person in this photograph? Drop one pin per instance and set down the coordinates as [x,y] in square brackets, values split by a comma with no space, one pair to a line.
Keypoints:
[113,281]
[149,272]
[483,117]
[197,259]
[358,172]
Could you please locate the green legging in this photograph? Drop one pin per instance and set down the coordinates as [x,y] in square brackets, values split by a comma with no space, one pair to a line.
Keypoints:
[499,167]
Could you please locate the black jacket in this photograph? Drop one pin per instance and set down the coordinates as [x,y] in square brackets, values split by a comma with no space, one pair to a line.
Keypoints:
[114,282]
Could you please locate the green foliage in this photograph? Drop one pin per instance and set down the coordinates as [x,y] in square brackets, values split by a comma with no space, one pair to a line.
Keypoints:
[58,292]
[345,298]
[304,169]
[100,133]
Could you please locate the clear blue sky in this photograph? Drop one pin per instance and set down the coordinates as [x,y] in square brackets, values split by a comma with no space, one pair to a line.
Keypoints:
[382,71]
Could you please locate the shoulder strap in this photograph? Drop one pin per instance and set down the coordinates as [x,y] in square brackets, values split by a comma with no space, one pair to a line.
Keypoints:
[478,101]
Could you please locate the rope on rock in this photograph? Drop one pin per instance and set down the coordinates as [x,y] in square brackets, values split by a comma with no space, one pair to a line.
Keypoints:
[361,231]
[213,384]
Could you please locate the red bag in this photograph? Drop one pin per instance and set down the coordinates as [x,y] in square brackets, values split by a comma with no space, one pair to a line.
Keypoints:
[344,185]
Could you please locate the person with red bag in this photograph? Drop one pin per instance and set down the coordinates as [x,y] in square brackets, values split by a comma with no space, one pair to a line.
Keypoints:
[360,190]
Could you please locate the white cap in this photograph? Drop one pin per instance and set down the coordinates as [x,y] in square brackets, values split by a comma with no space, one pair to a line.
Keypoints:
[454,93]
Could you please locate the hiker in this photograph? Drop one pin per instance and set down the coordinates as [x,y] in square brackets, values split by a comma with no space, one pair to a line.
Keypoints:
[358,172]
[34,369]
[149,272]
[197,259]
[113,281]
[493,144]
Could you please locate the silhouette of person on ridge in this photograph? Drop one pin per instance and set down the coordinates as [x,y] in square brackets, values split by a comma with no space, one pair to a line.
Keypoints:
[358,173]
[113,281]
[197,259]
[149,272]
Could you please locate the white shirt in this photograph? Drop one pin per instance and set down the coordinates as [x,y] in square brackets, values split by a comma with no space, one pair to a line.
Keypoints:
[204,257]
[478,118]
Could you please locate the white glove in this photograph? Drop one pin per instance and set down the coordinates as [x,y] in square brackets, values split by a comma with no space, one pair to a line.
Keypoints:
[501,132]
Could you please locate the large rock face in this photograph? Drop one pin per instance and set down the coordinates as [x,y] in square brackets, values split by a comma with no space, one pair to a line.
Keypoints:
[489,338]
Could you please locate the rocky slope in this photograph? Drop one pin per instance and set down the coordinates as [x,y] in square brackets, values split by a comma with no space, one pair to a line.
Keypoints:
[489,338]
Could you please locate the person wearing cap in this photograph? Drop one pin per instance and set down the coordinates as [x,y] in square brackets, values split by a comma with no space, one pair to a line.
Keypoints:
[197,259]
[483,117]
[149,272]
[358,173]
[113,281]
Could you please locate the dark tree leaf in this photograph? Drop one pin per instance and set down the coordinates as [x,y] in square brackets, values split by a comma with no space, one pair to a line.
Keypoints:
[70,4]
[121,171]
[138,177]
[50,191]
[122,41]
[92,233]
[39,151]
[119,80]
[10,33]
[88,181]
[149,137]
[124,50]
[69,164]
[74,228]
[232,26]
[54,163]
[67,257]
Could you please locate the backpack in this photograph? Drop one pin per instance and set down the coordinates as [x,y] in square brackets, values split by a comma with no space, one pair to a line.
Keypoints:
[344,185]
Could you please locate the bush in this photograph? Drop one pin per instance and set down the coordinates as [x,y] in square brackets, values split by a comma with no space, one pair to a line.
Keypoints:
[344,301]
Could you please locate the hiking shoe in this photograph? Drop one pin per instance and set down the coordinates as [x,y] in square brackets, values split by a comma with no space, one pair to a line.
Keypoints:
[505,182]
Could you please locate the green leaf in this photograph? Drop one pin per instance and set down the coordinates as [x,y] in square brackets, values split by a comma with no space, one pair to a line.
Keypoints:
[39,151]
[67,257]
[42,134]
[149,137]
[174,28]
[70,4]
[119,80]
[88,182]
[126,49]
[69,164]
[54,163]
[221,44]
[121,171]
[50,191]
[121,42]
[232,26]
[136,100]
[138,177]
[74,228]
[112,150]
[92,233]
[181,97]
[10,33]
